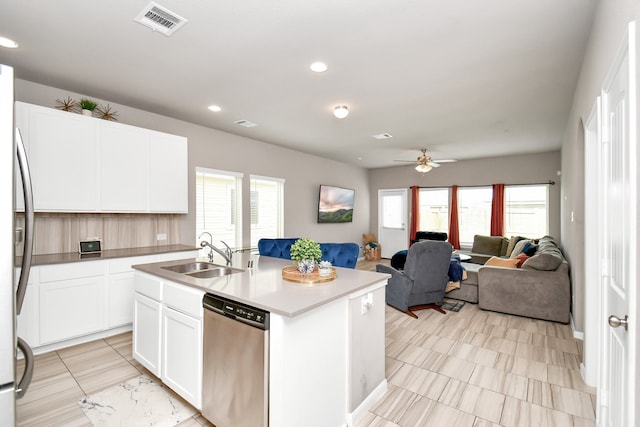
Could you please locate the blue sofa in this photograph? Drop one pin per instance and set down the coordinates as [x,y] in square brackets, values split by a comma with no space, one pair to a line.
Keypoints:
[338,254]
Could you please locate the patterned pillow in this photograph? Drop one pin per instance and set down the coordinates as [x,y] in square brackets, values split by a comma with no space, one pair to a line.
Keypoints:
[517,249]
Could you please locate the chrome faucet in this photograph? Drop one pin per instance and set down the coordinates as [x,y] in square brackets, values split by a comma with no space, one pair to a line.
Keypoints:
[226,254]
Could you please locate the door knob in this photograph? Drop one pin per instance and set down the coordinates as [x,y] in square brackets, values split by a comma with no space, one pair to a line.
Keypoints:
[615,321]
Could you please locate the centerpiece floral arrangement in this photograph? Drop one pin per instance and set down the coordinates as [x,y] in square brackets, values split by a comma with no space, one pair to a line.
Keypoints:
[307,252]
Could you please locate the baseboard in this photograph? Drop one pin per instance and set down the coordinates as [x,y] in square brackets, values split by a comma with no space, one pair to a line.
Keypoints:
[576,334]
[363,408]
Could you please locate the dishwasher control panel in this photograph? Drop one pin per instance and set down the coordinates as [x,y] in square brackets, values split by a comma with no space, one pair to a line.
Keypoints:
[236,310]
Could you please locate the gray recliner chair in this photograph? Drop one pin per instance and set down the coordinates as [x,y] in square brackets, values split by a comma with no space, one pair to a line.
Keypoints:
[423,281]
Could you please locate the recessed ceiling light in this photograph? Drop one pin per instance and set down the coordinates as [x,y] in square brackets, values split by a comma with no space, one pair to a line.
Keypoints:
[5,42]
[319,67]
[215,108]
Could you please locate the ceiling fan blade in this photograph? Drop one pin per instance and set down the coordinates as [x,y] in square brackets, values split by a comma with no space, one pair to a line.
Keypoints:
[433,164]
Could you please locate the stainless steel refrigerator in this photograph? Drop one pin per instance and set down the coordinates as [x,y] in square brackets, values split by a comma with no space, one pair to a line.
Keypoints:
[12,290]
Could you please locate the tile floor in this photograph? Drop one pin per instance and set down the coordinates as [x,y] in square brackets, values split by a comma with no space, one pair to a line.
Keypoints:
[472,368]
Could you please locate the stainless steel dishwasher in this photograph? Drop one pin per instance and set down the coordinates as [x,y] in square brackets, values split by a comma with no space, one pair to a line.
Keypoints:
[235,381]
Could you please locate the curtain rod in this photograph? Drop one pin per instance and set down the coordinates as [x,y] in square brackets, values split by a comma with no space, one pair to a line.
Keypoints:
[489,185]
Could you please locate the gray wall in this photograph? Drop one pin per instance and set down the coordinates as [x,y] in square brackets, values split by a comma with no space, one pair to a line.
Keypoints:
[220,150]
[521,169]
[607,33]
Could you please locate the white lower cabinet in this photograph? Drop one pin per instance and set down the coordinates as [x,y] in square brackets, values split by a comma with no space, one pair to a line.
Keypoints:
[167,333]
[71,308]
[120,292]
[71,303]
[182,354]
[147,322]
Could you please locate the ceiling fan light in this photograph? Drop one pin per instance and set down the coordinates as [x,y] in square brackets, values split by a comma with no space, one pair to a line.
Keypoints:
[423,168]
[341,111]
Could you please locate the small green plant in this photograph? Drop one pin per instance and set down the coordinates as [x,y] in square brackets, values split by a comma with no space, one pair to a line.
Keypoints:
[88,104]
[305,248]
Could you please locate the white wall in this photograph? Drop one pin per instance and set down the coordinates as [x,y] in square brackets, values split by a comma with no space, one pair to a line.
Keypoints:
[220,150]
[609,27]
[520,169]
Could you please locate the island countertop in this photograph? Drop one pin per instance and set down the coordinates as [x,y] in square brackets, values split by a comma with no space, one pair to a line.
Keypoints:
[262,285]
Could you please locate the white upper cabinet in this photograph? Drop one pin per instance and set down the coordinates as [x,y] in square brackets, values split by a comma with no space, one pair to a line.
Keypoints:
[168,173]
[124,165]
[62,150]
[84,164]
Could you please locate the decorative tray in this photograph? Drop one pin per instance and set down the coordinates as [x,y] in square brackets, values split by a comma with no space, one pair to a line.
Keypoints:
[291,274]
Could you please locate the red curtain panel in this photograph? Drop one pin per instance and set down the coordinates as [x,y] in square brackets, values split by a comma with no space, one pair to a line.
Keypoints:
[454,232]
[415,213]
[497,210]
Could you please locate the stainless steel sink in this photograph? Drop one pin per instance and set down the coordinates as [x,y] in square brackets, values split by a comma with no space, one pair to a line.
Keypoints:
[191,267]
[202,270]
[214,272]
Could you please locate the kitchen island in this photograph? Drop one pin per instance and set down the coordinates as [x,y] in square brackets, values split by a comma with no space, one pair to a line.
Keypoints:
[326,340]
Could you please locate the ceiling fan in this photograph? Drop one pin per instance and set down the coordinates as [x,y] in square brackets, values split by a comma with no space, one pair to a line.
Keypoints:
[424,162]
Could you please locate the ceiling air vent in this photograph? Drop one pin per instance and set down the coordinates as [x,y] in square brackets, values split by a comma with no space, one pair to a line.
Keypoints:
[245,123]
[160,19]
[383,136]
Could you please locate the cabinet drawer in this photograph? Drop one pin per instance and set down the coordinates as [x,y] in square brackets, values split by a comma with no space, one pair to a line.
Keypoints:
[183,298]
[147,285]
[77,270]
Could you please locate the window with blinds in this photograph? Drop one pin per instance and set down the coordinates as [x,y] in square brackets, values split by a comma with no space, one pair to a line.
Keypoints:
[219,206]
[526,210]
[434,210]
[267,207]
[474,213]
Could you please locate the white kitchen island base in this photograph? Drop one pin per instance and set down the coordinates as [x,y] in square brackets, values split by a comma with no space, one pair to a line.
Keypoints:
[326,341]
[327,365]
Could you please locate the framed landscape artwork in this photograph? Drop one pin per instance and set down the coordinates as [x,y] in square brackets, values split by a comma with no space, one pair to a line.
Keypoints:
[335,204]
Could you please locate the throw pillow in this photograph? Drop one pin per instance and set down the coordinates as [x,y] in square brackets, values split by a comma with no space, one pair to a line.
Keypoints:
[521,259]
[543,262]
[512,243]
[518,247]
[529,249]
[502,262]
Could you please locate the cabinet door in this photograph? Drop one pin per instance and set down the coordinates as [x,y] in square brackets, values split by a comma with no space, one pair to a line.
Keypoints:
[168,173]
[124,168]
[147,321]
[71,308]
[120,291]
[63,154]
[182,355]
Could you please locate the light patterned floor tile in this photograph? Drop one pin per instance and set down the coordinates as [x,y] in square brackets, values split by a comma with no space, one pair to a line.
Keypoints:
[420,381]
[482,402]
[97,380]
[394,403]
[517,413]
[568,378]
[427,413]
[500,382]
[572,402]
[455,368]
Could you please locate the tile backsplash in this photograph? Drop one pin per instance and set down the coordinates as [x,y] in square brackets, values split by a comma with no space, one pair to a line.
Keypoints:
[61,232]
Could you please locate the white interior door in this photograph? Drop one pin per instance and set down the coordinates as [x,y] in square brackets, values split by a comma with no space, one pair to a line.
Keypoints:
[393,233]
[619,237]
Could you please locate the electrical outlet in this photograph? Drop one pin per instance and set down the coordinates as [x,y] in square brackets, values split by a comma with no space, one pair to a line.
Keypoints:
[161,236]
[366,303]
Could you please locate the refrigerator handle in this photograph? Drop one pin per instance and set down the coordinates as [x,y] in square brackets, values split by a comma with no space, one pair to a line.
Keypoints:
[28,222]
[23,384]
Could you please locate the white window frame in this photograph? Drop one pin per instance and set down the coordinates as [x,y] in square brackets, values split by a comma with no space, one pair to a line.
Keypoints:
[528,232]
[236,222]
[279,220]
[424,204]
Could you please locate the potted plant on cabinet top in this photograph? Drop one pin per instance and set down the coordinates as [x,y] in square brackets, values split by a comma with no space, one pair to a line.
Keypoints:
[88,106]
[306,252]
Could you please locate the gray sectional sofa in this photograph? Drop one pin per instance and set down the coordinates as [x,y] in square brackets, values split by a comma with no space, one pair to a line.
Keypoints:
[540,289]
